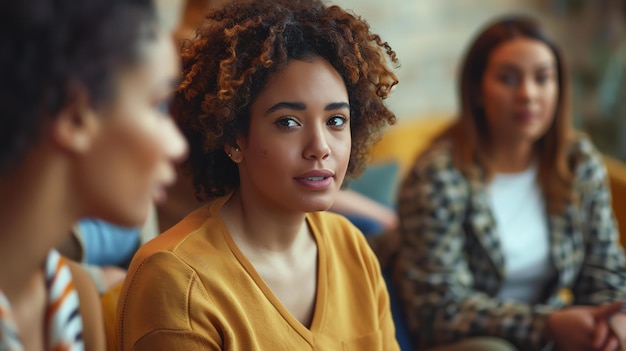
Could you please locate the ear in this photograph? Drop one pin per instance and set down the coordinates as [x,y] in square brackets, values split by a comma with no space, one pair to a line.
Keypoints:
[75,126]
[234,152]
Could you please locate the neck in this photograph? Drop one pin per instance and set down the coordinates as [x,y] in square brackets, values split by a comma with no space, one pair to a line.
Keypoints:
[261,228]
[507,157]
[35,218]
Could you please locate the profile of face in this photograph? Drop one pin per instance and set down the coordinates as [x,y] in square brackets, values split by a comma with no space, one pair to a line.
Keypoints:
[297,150]
[135,143]
[519,91]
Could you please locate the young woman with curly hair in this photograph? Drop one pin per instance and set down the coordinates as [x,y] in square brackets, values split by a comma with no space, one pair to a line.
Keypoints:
[84,132]
[279,100]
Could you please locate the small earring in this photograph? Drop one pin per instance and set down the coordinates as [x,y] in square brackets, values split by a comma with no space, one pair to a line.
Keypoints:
[229,155]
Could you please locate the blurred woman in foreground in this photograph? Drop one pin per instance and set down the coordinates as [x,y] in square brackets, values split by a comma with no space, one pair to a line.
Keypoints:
[84,132]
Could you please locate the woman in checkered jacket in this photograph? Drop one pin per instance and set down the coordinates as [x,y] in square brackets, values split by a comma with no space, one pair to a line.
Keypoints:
[508,237]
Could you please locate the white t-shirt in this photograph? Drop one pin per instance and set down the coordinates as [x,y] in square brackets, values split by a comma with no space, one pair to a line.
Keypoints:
[521,221]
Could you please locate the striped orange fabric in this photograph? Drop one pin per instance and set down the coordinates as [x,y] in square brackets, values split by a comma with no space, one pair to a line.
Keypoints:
[9,340]
[64,326]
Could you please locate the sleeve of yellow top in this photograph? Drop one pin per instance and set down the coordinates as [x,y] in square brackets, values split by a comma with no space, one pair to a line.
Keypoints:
[158,308]
[175,340]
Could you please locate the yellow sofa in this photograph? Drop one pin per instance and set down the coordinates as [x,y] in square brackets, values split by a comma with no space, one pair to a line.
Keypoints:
[403,142]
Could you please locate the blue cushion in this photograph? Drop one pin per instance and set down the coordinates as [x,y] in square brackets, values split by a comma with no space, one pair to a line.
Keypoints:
[107,244]
[378,182]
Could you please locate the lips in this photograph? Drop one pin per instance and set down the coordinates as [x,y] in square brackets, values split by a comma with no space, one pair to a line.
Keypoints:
[316,179]
[159,194]
[317,173]
[525,116]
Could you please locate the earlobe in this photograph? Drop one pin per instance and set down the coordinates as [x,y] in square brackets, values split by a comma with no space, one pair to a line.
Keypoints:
[234,153]
[75,126]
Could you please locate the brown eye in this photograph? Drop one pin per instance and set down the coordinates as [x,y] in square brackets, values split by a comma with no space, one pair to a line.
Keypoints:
[287,122]
[542,78]
[337,121]
[508,79]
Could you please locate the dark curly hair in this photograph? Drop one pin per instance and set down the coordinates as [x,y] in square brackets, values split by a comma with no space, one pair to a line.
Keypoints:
[48,47]
[236,49]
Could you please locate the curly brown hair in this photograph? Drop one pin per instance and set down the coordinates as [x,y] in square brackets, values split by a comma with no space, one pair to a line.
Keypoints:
[236,49]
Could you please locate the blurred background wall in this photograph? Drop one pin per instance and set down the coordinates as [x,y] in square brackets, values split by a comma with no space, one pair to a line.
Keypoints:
[430,37]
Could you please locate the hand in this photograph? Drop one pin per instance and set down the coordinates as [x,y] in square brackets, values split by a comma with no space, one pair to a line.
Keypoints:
[617,323]
[604,338]
[581,327]
[112,276]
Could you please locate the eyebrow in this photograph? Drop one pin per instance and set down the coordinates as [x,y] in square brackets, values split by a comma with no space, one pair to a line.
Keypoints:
[510,66]
[337,106]
[300,106]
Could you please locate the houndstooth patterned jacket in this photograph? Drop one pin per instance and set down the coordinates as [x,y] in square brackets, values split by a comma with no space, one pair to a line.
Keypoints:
[450,265]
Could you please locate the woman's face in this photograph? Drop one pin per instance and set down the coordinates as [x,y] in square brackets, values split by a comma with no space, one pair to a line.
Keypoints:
[297,150]
[520,91]
[130,161]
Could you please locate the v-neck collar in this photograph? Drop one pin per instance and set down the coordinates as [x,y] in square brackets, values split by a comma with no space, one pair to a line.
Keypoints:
[321,283]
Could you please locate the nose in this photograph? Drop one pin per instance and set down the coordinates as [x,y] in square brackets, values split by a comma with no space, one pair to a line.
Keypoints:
[527,90]
[176,144]
[317,144]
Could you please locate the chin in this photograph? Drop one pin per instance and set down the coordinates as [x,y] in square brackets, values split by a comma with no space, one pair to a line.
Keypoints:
[534,134]
[317,205]
[130,221]
[318,209]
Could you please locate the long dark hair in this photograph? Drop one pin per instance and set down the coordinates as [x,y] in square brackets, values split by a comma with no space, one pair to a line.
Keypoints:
[470,133]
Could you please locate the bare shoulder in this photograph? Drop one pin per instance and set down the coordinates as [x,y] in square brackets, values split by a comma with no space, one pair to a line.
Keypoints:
[90,308]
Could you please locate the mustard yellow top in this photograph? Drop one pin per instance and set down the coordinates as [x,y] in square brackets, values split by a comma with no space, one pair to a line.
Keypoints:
[191,288]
